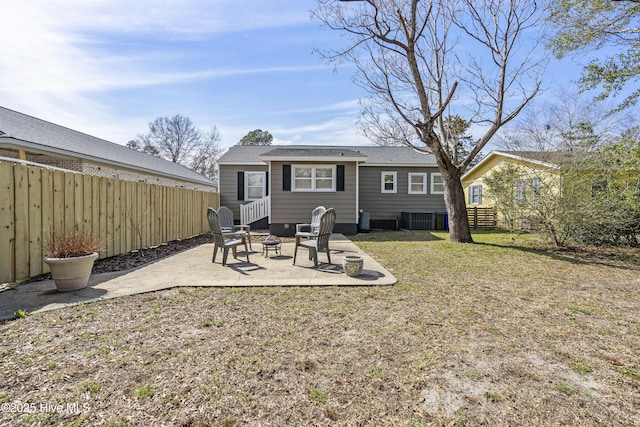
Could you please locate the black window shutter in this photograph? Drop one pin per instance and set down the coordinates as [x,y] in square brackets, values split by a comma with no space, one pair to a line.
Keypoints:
[286,177]
[240,185]
[266,179]
[340,178]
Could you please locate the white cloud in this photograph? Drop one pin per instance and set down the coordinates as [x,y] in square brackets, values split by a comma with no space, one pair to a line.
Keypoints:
[339,130]
[72,62]
[47,53]
[180,18]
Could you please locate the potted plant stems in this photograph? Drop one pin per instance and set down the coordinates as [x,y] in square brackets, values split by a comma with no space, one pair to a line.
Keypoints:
[70,257]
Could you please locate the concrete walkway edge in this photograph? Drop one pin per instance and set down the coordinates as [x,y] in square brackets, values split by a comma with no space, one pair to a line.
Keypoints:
[193,267]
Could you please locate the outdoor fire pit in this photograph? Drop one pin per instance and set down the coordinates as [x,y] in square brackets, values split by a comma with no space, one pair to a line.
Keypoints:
[271,242]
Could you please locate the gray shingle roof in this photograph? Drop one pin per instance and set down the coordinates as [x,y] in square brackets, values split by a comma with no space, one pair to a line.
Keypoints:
[50,137]
[289,151]
[371,155]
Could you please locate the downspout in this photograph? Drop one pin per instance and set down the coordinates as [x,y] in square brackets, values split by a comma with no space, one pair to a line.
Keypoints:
[357,194]
[218,185]
[270,189]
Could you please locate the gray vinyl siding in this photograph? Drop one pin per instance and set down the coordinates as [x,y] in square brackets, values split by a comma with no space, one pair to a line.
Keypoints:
[388,206]
[229,185]
[293,207]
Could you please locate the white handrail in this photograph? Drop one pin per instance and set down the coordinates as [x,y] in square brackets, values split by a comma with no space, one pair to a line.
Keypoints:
[256,210]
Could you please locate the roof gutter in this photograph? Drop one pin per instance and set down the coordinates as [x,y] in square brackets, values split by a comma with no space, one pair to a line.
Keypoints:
[315,158]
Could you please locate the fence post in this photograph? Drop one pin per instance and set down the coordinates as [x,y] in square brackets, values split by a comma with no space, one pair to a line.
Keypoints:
[475,218]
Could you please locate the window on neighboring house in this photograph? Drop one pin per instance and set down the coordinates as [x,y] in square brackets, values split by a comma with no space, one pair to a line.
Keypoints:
[527,190]
[255,185]
[417,183]
[475,194]
[389,182]
[437,184]
[314,178]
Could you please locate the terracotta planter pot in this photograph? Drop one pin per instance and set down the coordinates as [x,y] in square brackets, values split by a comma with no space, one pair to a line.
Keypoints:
[71,274]
[352,265]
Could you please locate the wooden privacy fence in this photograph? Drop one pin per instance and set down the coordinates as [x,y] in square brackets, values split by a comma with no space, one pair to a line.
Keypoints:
[124,215]
[481,218]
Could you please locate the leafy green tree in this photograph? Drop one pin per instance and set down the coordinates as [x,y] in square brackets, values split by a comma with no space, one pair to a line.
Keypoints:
[177,139]
[257,137]
[417,59]
[599,26]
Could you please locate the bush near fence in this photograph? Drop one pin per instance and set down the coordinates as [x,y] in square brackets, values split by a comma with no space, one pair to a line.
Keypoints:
[124,215]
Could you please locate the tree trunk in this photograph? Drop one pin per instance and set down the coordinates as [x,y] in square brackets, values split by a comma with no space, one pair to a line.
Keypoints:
[459,230]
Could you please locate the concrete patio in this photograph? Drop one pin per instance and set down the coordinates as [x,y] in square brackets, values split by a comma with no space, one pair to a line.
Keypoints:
[193,267]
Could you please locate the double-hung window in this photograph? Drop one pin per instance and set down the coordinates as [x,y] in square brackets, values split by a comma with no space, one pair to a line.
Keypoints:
[255,185]
[417,183]
[389,182]
[437,184]
[475,194]
[313,178]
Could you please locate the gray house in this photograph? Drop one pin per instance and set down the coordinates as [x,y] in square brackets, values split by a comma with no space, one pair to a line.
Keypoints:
[27,138]
[368,186]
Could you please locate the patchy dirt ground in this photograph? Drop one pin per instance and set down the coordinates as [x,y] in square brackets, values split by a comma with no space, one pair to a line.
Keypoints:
[490,334]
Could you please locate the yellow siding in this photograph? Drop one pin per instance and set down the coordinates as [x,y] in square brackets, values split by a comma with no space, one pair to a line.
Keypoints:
[493,163]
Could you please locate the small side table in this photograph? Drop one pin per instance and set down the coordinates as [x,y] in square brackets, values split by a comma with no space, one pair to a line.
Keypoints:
[271,242]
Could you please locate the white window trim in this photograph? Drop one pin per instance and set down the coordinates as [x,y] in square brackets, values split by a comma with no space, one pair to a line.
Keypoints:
[433,191]
[395,182]
[472,194]
[313,168]
[246,185]
[424,182]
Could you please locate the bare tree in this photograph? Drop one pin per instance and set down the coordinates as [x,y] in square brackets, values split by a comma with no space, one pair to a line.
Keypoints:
[177,139]
[422,62]
[565,122]
[204,158]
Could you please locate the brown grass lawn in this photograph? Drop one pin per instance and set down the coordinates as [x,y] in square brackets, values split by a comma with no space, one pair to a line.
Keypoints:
[496,333]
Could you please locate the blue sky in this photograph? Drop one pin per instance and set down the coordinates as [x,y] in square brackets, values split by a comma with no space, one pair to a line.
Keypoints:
[109,67]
